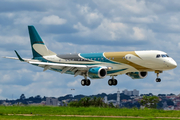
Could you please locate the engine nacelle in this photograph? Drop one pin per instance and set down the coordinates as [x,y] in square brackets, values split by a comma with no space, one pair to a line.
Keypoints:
[97,72]
[137,75]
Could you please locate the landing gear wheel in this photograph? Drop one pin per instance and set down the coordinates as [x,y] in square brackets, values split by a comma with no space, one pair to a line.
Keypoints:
[115,82]
[83,82]
[110,82]
[158,79]
[88,82]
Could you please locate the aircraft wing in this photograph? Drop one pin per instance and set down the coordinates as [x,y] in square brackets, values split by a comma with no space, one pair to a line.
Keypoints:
[57,64]
[77,69]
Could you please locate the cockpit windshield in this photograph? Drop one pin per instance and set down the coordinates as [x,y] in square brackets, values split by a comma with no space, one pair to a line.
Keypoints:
[161,55]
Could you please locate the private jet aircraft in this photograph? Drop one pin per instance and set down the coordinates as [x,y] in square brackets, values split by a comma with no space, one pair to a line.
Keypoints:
[135,64]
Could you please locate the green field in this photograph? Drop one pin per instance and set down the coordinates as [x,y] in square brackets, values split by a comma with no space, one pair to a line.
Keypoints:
[89,113]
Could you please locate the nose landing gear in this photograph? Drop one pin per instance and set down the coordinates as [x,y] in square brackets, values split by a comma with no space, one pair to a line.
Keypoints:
[158,79]
[112,81]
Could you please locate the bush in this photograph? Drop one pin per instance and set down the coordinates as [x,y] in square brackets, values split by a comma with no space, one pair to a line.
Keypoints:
[87,102]
[149,101]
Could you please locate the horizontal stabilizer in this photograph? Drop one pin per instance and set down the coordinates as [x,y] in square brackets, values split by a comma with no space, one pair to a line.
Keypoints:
[15,58]
[19,58]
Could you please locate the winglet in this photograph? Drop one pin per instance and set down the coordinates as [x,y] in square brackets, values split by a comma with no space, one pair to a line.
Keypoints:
[18,56]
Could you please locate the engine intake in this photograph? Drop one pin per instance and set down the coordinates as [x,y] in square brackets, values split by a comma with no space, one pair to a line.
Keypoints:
[137,75]
[97,72]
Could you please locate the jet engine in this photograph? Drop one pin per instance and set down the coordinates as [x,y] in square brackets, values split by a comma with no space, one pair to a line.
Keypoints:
[97,72]
[137,75]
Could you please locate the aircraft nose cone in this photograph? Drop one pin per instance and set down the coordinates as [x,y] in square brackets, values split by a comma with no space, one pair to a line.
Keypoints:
[173,64]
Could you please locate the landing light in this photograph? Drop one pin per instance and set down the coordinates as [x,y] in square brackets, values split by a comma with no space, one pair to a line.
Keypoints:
[110,68]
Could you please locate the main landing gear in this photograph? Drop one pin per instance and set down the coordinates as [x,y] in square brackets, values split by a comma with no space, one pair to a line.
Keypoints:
[85,81]
[158,79]
[112,81]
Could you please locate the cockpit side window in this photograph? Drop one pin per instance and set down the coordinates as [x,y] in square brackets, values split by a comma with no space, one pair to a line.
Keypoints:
[158,56]
[167,55]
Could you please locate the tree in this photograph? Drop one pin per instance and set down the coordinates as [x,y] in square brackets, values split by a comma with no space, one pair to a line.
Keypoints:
[22,97]
[38,97]
[87,101]
[149,101]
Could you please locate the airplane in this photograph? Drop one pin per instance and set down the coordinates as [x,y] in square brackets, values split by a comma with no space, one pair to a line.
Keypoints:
[135,64]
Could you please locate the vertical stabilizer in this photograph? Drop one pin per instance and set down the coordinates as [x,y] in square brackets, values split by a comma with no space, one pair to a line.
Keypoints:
[39,49]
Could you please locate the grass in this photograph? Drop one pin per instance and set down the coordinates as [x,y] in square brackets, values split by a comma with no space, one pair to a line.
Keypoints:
[70,118]
[49,112]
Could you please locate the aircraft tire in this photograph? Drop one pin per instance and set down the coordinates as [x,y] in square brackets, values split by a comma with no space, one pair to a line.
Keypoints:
[88,82]
[158,79]
[83,82]
[115,82]
[110,82]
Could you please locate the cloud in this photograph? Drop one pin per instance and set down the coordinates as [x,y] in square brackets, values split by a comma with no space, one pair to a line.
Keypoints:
[74,83]
[19,5]
[52,20]
[19,40]
[24,20]
[107,30]
[80,27]
[138,33]
[146,19]
[91,16]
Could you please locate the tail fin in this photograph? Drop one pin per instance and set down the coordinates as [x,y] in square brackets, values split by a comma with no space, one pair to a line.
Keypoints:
[39,49]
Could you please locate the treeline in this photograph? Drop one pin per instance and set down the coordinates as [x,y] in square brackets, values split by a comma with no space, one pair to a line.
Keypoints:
[87,102]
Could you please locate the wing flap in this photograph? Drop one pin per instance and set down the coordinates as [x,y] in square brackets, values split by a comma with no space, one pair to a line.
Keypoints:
[46,67]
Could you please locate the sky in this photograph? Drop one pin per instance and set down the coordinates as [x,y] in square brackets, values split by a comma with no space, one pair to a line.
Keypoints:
[84,26]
